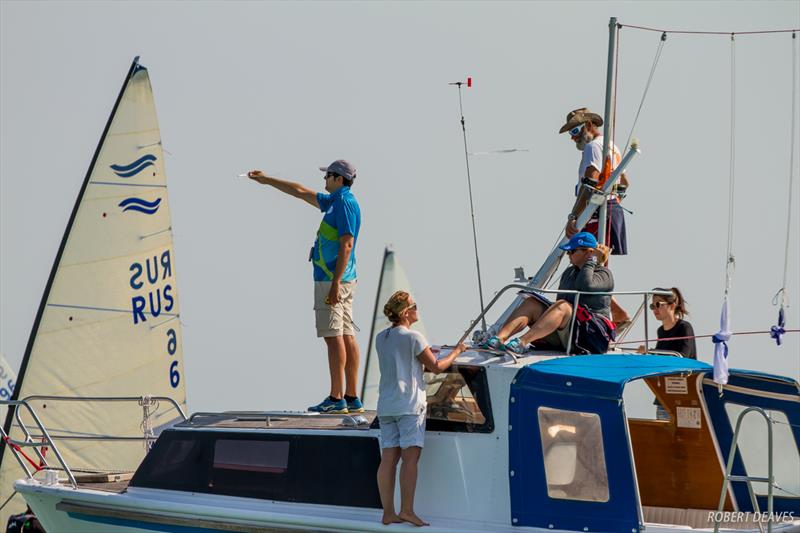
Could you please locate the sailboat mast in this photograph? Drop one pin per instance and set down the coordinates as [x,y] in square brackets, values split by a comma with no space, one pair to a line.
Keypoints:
[386,253]
[608,118]
[37,321]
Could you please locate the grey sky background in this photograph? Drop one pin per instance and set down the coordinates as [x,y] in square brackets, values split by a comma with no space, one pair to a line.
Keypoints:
[287,87]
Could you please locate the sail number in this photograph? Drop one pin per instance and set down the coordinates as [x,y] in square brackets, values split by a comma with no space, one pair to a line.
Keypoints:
[172,347]
[6,385]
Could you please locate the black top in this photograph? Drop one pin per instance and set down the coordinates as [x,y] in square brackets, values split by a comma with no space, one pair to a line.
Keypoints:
[685,347]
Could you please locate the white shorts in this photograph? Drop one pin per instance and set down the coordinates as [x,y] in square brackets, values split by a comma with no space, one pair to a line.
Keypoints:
[402,431]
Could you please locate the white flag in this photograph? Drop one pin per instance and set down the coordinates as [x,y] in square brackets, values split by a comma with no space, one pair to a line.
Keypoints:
[720,340]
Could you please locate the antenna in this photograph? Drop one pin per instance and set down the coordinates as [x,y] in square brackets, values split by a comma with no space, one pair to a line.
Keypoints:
[468,83]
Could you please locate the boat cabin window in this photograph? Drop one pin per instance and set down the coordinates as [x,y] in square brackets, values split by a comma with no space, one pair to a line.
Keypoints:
[752,445]
[574,460]
[458,400]
[268,466]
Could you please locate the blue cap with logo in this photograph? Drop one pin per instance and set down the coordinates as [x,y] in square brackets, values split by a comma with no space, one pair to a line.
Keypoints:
[342,168]
[583,239]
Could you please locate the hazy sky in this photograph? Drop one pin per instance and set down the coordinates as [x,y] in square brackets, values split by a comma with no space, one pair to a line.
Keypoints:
[288,87]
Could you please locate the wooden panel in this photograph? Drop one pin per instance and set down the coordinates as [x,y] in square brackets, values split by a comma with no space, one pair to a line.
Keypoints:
[676,466]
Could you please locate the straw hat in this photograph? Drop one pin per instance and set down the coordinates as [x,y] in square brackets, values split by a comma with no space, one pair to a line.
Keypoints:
[581,116]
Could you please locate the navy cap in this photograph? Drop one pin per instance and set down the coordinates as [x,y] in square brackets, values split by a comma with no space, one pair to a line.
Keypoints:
[342,168]
[583,239]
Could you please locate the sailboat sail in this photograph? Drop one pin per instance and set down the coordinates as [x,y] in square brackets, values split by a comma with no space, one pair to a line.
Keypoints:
[393,278]
[108,323]
[8,379]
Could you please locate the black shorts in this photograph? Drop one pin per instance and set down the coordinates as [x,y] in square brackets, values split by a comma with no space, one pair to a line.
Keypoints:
[616,236]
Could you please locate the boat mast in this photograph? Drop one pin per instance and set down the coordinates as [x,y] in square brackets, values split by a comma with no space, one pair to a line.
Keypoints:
[386,253]
[608,119]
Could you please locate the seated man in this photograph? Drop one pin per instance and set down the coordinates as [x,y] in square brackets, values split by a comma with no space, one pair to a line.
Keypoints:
[551,322]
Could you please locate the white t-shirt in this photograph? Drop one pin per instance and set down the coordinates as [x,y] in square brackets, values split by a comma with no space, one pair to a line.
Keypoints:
[401,390]
[593,157]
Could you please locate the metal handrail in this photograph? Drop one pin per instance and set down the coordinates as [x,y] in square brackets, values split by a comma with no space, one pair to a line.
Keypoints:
[526,288]
[268,415]
[48,440]
[769,480]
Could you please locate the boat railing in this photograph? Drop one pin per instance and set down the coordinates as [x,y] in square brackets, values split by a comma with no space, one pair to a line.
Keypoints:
[769,480]
[353,420]
[46,440]
[645,300]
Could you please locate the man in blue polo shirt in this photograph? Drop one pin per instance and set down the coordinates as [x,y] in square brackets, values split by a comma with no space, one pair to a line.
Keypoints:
[334,261]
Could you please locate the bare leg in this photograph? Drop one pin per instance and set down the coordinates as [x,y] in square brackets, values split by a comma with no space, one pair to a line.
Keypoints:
[529,310]
[336,360]
[351,365]
[387,473]
[556,317]
[408,485]
[618,314]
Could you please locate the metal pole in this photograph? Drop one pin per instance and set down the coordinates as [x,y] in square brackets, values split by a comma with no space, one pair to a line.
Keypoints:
[608,119]
[471,207]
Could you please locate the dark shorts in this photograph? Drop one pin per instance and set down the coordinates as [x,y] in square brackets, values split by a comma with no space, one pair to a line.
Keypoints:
[617,237]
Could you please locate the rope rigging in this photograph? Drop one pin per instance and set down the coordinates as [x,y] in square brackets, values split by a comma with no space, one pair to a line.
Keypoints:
[779,299]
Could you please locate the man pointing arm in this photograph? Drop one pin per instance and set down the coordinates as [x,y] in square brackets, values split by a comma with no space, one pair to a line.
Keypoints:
[334,264]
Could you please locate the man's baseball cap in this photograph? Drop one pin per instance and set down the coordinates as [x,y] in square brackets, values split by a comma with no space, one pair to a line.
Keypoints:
[583,239]
[342,168]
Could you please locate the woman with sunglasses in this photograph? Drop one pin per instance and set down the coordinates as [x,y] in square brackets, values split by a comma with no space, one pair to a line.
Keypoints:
[403,356]
[675,334]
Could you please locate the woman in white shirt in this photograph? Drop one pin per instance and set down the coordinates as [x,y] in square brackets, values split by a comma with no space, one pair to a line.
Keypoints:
[403,356]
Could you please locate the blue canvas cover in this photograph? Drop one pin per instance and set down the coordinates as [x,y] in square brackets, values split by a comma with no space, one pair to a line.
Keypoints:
[591,385]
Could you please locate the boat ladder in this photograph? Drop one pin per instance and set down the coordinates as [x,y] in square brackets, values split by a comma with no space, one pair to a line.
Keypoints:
[769,480]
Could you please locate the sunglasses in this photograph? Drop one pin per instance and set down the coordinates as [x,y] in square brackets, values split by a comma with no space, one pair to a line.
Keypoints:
[412,307]
[576,130]
[656,305]
[329,175]
[570,252]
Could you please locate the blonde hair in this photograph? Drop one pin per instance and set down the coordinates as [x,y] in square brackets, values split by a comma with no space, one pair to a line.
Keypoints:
[396,305]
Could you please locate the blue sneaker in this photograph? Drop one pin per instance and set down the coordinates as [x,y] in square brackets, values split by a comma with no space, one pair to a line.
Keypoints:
[355,406]
[494,344]
[328,406]
[514,345]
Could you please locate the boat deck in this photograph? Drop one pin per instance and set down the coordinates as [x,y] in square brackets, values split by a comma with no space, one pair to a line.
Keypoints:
[280,420]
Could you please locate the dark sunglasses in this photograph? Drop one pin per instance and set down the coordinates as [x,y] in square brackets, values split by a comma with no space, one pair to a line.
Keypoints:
[412,307]
[330,175]
[656,305]
[570,252]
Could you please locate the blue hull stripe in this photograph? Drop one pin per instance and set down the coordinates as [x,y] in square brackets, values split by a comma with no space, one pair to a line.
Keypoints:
[139,524]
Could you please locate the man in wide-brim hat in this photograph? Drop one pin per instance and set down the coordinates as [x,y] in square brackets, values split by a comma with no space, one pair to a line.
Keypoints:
[583,127]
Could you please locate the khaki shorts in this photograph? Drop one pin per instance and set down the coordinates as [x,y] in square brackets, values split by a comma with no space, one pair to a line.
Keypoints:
[402,431]
[559,338]
[334,320]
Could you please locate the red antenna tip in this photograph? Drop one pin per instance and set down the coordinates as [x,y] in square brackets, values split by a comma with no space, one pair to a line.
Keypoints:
[469,82]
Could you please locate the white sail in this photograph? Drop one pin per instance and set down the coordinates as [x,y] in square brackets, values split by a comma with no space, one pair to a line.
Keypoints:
[108,322]
[393,278]
[8,379]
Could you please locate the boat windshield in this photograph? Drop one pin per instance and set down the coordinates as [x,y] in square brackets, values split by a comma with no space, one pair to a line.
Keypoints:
[458,400]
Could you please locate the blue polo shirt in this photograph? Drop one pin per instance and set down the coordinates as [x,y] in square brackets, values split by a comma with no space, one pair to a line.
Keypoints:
[342,217]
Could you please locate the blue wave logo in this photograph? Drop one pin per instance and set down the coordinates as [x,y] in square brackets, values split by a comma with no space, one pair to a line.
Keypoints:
[131,169]
[142,206]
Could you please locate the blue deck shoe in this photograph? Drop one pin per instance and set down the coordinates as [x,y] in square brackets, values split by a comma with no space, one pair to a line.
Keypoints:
[355,406]
[328,406]
[514,345]
[494,344]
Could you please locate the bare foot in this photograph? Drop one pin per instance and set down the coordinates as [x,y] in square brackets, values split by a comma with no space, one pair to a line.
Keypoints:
[391,519]
[411,518]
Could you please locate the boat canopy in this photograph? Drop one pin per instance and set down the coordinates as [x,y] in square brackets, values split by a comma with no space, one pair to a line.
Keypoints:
[602,376]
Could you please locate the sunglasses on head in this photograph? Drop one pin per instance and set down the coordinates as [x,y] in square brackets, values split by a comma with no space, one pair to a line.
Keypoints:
[576,130]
